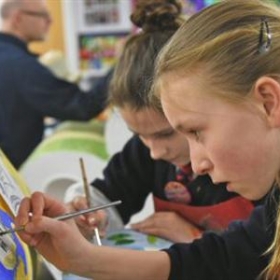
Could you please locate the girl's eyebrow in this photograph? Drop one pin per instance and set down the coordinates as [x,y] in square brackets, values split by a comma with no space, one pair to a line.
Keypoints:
[163,131]
[187,123]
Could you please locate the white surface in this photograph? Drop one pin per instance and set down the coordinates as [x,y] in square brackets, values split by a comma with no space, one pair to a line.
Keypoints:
[145,212]
[70,35]
[0,17]
[116,133]
[54,173]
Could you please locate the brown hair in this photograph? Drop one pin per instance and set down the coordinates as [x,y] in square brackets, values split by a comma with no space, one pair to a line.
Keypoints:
[229,44]
[133,75]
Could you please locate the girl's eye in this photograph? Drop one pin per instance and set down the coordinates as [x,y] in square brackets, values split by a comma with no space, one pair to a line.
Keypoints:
[167,134]
[164,134]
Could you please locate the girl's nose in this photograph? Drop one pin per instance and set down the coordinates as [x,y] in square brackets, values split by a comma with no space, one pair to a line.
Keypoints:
[158,152]
[201,168]
[200,162]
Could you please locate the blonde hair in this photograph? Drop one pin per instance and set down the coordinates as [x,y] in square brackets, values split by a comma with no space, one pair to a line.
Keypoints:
[223,44]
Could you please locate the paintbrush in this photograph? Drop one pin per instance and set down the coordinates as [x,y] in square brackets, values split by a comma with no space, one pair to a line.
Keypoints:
[87,194]
[66,216]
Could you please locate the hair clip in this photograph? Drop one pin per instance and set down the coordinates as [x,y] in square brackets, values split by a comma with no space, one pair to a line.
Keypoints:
[265,37]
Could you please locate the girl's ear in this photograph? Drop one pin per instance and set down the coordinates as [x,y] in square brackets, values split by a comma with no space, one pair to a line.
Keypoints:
[16,18]
[267,92]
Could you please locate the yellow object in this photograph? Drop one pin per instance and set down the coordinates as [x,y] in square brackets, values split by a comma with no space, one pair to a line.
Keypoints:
[15,256]
[55,39]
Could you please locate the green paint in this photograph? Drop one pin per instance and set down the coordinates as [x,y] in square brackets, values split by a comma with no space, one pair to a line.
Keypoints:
[124,241]
[152,239]
[119,236]
[121,239]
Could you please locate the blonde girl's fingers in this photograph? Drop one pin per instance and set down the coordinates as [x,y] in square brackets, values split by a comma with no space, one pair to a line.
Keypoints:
[22,217]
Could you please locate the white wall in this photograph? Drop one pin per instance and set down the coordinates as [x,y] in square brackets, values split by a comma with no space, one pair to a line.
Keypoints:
[0,17]
[70,33]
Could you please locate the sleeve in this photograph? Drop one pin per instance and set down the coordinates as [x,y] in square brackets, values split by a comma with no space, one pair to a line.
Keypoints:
[129,177]
[235,254]
[51,96]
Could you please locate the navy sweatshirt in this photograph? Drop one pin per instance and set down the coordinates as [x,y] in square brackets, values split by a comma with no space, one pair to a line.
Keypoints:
[29,92]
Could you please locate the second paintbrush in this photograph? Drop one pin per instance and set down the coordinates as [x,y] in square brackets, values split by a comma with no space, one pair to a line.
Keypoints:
[87,194]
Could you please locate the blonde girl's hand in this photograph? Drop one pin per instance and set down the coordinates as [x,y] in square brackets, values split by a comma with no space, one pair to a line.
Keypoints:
[53,239]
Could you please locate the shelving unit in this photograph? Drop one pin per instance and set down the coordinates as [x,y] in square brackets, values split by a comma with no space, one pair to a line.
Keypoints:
[93,29]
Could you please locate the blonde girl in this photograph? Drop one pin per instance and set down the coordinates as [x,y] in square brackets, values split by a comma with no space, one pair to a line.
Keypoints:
[218,84]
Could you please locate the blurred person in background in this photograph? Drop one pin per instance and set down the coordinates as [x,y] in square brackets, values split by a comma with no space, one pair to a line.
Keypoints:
[29,91]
